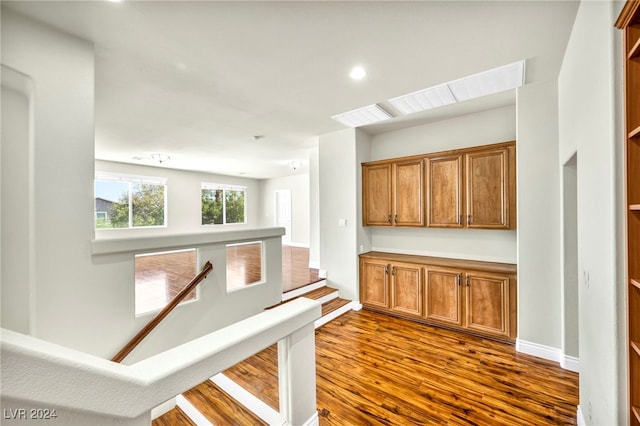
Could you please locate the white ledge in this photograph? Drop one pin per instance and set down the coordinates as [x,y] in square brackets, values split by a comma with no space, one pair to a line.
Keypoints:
[51,375]
[179,241]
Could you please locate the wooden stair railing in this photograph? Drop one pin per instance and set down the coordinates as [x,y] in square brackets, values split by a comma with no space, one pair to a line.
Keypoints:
[163,313]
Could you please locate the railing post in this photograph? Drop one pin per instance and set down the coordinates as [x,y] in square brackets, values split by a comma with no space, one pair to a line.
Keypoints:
[297,377]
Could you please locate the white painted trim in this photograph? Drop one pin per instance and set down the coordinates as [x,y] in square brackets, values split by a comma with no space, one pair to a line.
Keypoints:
[292,244]
[567,362]
[313,420]
[192,412]
[357,306]
[163,408]
[172,242]
[302,290]
[580,417]
[570,363]
[536,349]
[248,400]
[322,273]
[333,315]
[327,298]
[314,264]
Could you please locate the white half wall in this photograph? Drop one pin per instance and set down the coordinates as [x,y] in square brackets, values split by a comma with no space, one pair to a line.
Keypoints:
[590,108]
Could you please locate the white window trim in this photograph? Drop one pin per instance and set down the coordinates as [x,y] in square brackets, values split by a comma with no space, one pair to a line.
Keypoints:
[224,187]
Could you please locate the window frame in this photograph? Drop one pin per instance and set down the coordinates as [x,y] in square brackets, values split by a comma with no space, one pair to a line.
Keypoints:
[132,180]
[224,188]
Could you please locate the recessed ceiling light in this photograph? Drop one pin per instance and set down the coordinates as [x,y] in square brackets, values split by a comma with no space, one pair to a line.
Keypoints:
[361,116]
[357,73]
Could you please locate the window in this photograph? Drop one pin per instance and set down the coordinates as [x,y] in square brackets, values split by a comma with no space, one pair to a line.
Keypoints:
[223,204]
[162,275]
[129,201]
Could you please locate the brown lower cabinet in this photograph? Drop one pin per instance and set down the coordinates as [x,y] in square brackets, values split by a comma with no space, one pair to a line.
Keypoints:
[471,296]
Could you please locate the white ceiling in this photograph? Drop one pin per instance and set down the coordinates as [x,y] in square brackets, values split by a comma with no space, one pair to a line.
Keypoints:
[197,80]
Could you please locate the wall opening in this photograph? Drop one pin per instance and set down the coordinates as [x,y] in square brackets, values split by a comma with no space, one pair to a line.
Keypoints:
[570,256]
[160,276]
[245,264]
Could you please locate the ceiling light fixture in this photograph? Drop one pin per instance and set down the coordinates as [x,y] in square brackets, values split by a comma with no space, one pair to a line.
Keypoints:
[357,73]
[362,116]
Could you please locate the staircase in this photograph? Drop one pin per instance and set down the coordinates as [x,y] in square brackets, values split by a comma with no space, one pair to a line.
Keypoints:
[248,392]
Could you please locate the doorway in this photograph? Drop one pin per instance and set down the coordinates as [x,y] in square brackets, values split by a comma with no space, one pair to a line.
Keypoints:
[570,343]
[283,213]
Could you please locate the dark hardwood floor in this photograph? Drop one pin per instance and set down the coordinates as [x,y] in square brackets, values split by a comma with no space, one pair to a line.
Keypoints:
[373,369]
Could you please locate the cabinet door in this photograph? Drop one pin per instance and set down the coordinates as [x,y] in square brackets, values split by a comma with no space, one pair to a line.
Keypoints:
[444,296]
[487,189]
[376,195]
[406,288]
[487,307]
[374,283]
[444,191]
[408,201]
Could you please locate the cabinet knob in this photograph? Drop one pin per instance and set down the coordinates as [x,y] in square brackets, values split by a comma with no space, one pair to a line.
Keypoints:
[395,219]
[468,219]
[389,218]
[459,279]
[468,281]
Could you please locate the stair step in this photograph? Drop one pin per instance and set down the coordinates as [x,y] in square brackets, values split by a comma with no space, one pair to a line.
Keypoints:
[320,293]
[333,305]
[218,407]
[172,418]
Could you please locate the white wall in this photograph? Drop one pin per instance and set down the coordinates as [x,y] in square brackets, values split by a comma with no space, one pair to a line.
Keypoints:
[539,282]
[78,299]
[183,200]
[16,226]
[314,209]
[298,184]
[338,195]
[589,111]
[483,128]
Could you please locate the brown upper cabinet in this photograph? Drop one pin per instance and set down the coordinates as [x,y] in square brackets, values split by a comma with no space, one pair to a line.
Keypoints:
[393,193]
[464,188]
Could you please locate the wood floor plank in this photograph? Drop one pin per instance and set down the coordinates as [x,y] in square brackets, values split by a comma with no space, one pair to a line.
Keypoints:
[218,407]
[373,369]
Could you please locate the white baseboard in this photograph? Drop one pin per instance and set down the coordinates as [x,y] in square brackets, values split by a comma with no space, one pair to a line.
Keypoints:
[570,363]
[567,362]
[580,417]
[313,420]
[333,315]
